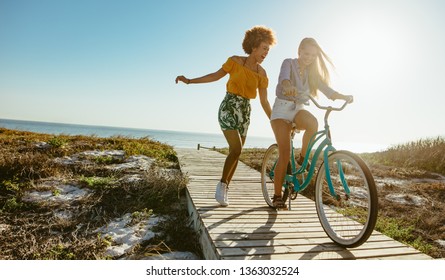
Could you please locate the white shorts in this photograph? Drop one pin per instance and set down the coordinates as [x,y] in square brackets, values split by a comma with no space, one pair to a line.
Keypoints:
[286,110]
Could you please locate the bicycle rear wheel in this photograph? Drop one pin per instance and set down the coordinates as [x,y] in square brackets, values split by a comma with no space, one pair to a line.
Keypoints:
[349,218]
[268,175]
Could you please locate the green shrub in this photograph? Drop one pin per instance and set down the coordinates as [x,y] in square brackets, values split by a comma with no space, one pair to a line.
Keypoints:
[57,142]
[98,182]
[12,205]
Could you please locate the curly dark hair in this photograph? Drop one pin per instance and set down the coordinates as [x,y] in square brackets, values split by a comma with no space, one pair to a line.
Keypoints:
[255,36]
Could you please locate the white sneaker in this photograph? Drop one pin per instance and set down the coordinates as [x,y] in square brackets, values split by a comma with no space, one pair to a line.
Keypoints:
[221,194]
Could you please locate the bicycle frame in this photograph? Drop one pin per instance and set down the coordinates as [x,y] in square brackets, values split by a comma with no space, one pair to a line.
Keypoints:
[347,219]
[326,147]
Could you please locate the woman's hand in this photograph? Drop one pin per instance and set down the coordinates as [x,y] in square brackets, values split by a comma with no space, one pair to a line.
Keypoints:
[289,89]
[182,79]
[348,98]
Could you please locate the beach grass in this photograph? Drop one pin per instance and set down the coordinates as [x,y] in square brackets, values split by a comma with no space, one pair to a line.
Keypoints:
[32,230]
[426,154]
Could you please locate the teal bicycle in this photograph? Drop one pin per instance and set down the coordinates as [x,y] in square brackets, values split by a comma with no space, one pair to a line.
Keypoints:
[345,191]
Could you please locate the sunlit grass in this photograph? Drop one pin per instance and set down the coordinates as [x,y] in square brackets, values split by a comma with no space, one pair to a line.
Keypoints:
[427,154]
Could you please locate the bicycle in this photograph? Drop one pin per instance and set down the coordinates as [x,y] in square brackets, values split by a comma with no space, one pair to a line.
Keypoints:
[345,191]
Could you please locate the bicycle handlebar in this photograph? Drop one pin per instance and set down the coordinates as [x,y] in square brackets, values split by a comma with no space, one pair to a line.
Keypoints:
[330,108]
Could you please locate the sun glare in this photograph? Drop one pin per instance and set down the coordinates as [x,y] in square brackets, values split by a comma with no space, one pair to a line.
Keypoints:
[369,46]
[372,51]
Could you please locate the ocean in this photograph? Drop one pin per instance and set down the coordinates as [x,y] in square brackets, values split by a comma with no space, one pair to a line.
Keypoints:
[177,139]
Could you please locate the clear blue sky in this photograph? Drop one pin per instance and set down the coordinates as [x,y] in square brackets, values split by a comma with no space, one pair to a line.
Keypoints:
[113,63]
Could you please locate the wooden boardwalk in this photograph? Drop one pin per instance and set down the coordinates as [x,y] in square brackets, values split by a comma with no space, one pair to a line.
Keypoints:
[249,229]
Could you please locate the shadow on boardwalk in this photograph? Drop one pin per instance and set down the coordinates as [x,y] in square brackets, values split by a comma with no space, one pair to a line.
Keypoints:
[244,230]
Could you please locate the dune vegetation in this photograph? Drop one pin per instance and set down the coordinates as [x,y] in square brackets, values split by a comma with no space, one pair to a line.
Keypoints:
[58,191]
[424,154]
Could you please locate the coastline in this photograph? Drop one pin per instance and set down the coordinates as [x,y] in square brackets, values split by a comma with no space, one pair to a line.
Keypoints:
[179,139]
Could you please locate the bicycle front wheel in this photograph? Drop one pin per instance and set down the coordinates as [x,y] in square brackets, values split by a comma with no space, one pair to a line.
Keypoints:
[348,211]
[268,174]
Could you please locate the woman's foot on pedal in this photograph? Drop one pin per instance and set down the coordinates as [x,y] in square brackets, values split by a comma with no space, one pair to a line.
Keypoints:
[278,202]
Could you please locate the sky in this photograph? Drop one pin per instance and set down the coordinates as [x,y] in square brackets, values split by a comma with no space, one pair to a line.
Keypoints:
[113,63]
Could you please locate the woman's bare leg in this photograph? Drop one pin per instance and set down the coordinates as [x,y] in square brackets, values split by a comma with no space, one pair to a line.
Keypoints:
[236,143]
[304,120]
[282,131]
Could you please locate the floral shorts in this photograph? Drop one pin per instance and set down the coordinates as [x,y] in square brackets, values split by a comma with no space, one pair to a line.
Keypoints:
[234,113]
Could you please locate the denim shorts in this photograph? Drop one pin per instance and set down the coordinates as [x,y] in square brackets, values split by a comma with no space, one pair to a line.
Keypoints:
[286,110]
[234,113]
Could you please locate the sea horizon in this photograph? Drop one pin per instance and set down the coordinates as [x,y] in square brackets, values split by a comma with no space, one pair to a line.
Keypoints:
[178,139]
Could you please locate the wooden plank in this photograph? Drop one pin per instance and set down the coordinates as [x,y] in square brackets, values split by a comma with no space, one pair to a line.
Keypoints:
[378,249]
[249,229]
[335,255]
[209,250]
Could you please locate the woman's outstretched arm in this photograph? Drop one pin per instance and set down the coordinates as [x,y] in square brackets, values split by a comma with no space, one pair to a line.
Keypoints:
[212,77]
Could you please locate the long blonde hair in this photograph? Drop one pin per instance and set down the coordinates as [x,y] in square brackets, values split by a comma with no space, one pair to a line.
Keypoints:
[318,69]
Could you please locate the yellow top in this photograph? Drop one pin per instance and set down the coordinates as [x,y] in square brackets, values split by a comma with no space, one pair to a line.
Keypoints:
[243,81]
